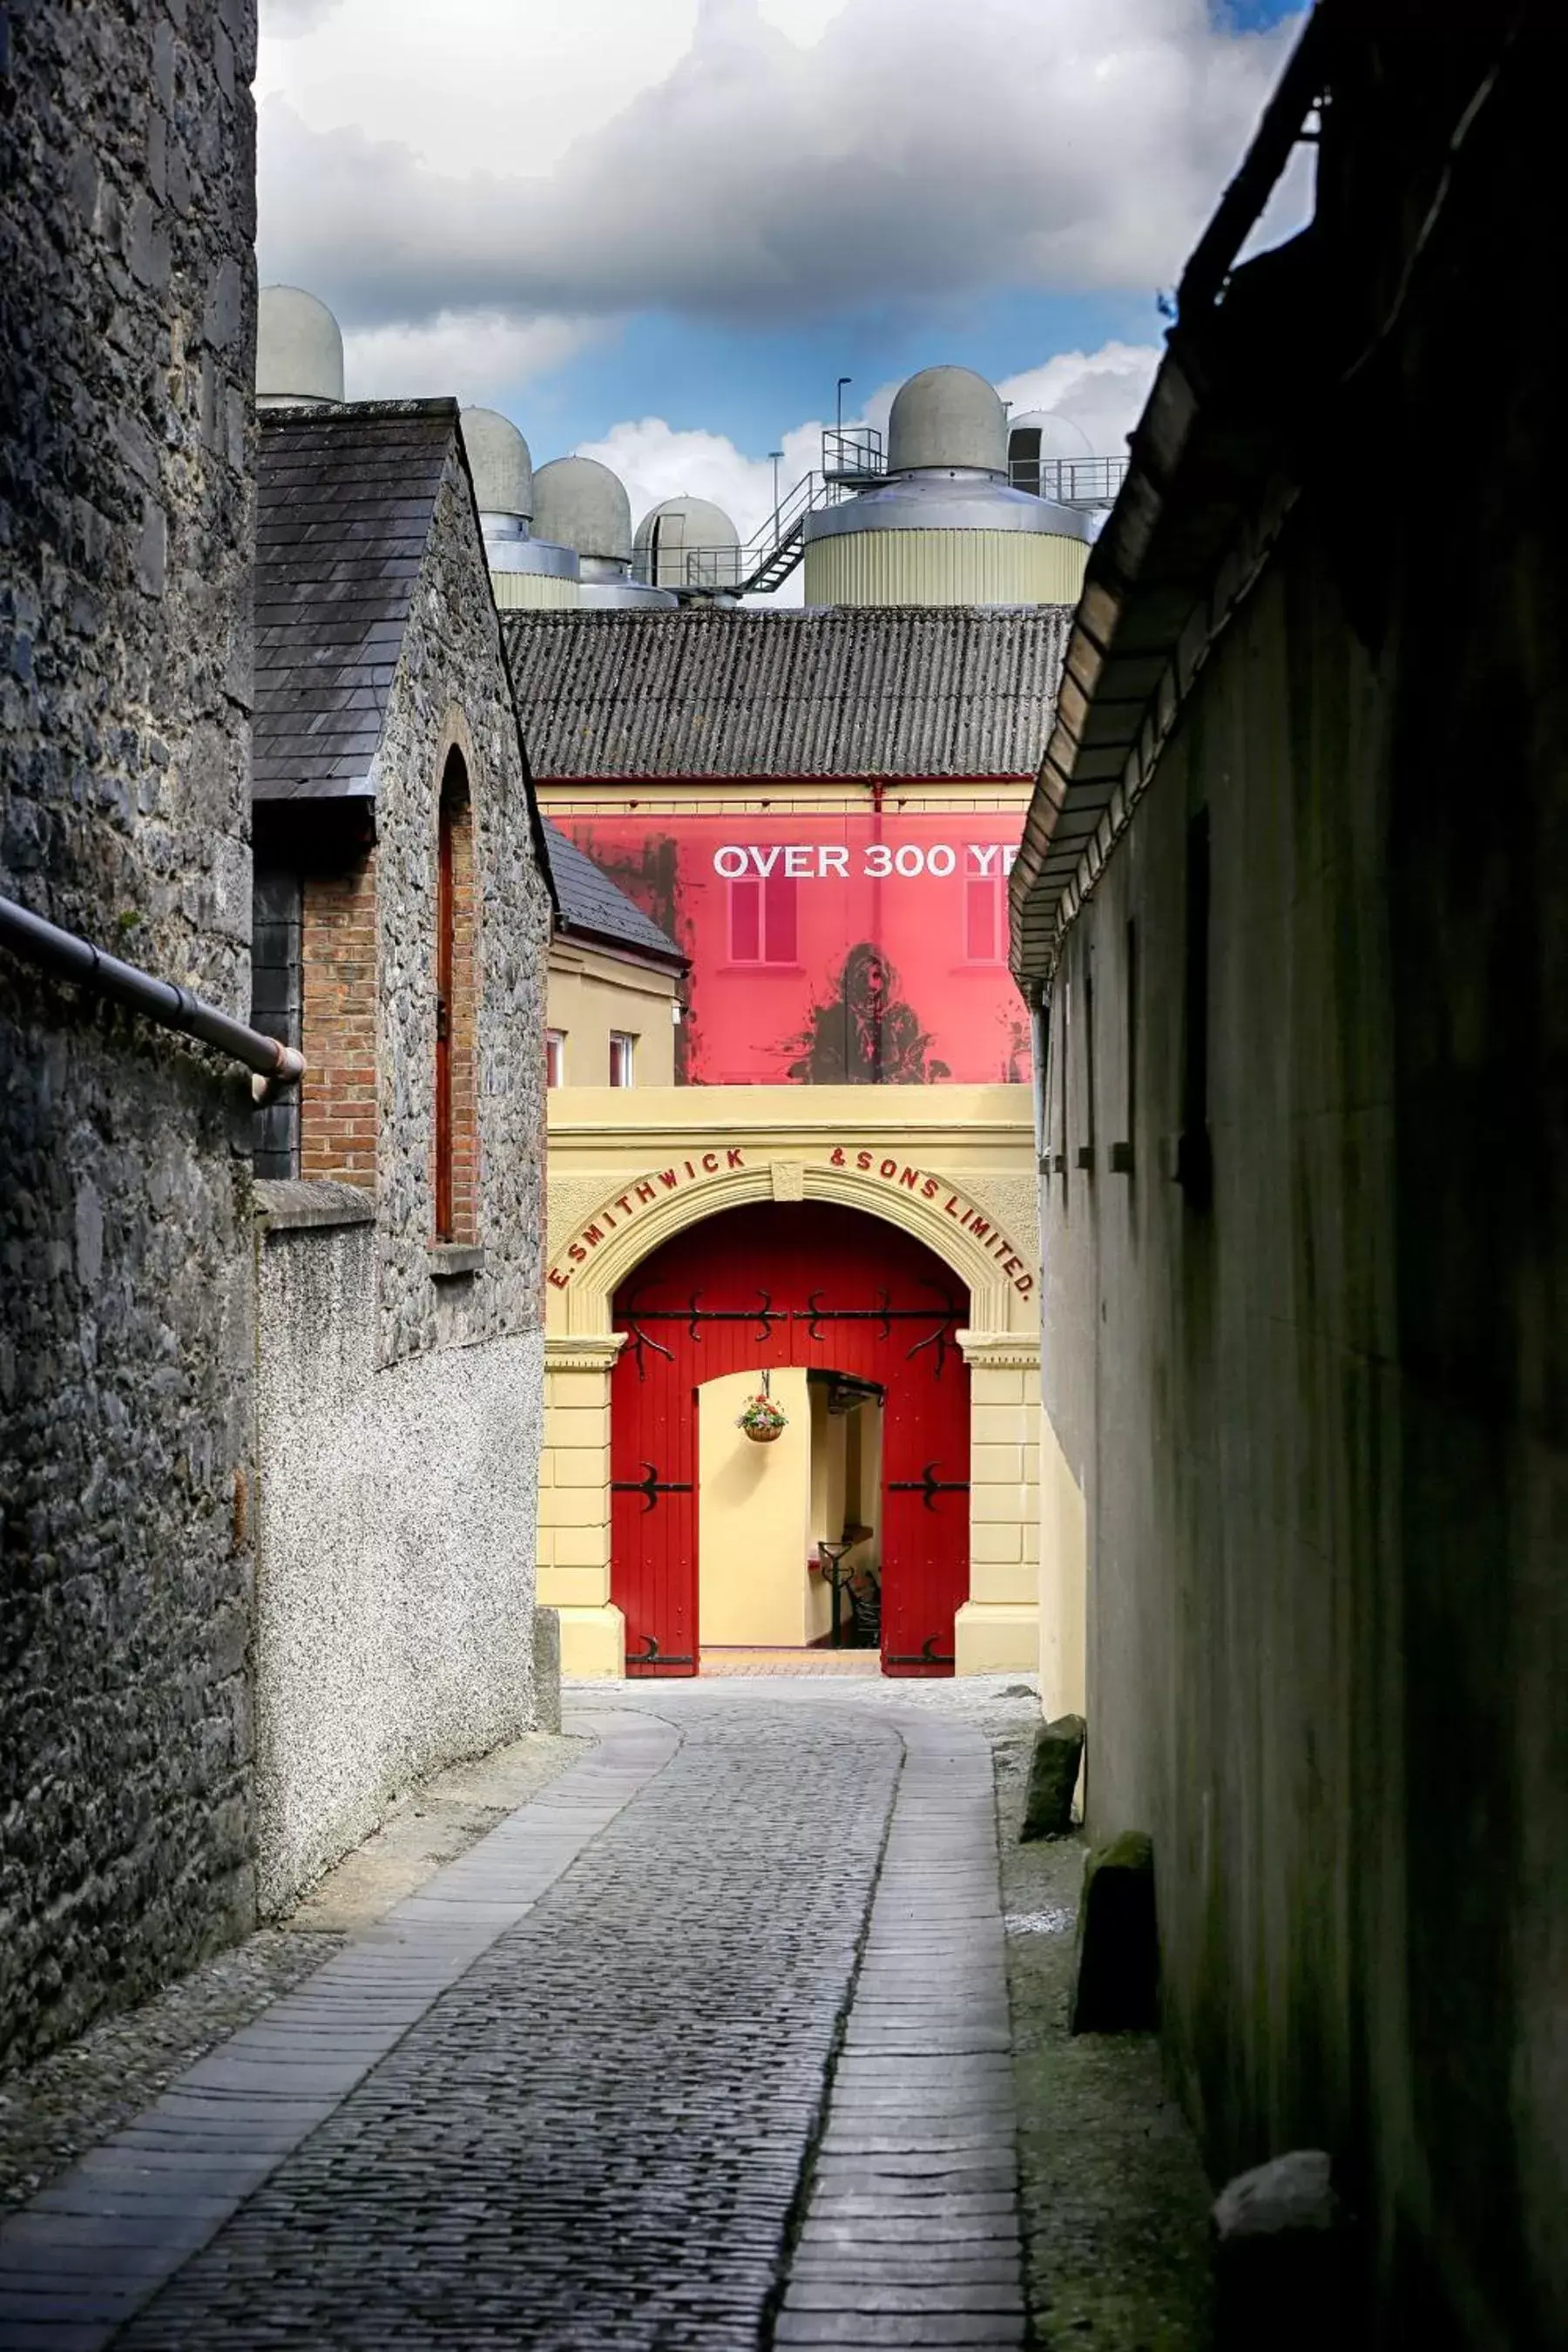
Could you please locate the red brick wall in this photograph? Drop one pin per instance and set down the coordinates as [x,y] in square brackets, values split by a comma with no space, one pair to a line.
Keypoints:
[338,958]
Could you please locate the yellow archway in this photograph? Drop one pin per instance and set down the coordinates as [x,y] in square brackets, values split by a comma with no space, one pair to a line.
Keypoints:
[582,1293]
[605,1230]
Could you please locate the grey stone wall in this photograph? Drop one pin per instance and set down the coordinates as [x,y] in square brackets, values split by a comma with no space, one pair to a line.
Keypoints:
[452,661]
[395,1596]
[1322,1421]
[126,350]
[400,1415]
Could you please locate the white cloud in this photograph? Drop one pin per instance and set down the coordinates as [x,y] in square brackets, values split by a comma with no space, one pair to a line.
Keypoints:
[504,88]
[631,154]
[1100,393]
[479,355]
[656,462]
[801,21]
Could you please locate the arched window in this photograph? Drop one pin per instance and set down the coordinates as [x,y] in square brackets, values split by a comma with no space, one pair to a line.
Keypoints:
[455,1140]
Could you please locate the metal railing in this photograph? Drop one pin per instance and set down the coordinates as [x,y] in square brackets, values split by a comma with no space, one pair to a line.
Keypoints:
[853,454]
[1069,481]
[45,944]
[851,459]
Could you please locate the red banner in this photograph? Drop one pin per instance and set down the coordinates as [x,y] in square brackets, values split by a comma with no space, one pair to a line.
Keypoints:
[830,949]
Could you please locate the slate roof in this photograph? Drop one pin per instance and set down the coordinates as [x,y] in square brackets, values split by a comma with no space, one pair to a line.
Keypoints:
[879,691]
[344,503]
[592,907]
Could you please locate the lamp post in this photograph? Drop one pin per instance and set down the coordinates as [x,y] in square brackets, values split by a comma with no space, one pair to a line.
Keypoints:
[775,455]
[842,382]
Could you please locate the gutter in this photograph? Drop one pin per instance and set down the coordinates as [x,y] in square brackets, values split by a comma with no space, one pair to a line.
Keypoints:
[36,941]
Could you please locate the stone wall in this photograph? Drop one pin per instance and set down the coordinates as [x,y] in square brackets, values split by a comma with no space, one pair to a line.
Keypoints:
[1320,1417]
[395,1602]
[127,329]
[451,688]
[401,1401]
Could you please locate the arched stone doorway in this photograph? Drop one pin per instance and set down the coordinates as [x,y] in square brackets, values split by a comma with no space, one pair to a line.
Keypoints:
[860,1318]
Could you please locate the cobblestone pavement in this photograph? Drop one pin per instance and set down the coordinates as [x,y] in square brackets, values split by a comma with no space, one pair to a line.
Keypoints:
[575,2091]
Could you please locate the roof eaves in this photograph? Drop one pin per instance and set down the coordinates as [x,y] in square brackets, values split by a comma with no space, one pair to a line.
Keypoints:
[1108,696]
[636,952]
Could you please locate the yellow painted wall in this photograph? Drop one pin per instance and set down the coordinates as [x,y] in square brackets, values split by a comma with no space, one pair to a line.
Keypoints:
[945,567]
[753,1518]
[590,993]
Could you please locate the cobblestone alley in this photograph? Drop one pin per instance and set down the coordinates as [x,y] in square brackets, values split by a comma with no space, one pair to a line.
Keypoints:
[706,2045]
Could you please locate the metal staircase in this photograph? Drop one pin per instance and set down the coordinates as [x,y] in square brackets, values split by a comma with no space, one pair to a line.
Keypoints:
[851,461]
[854,459]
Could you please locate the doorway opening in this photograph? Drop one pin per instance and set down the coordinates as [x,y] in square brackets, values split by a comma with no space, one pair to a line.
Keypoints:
[844,1559]
[852,1521]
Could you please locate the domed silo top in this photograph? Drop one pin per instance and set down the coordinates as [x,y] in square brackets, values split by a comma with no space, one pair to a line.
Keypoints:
[499,462]
[683,528]
[299,350]
[947,416]
[579,503]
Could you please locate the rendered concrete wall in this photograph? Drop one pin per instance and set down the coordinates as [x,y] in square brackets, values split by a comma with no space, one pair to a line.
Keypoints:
[1320,1424]
[126,338]
[395,1583]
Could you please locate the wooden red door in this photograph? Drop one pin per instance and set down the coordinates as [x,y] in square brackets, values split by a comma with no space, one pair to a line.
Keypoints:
[807,1285]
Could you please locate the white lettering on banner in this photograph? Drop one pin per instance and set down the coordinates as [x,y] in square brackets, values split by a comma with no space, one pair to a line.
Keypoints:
[815,861]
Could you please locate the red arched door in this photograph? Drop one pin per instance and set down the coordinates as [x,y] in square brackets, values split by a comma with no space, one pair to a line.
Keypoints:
[766,1286]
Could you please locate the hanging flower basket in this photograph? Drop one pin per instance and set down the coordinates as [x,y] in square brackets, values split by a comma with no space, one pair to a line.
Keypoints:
[762,1420]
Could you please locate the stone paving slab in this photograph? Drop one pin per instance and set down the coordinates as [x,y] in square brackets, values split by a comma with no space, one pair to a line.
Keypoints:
[911,2235]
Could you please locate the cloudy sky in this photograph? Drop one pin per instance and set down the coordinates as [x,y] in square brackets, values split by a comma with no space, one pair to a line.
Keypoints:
[660,230]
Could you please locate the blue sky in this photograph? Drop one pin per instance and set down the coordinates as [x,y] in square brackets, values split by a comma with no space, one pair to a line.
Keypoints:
[754,383]
[662,229]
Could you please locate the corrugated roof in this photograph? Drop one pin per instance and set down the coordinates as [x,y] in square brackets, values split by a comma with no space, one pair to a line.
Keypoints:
[879,691]
[592,906]
[344,503]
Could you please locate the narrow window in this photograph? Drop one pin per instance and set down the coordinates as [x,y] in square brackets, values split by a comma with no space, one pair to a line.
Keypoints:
[763,919]
[621,1058]
[1122,1151]
[779,918]
[983,918]
[1086,1149]
[455,1142]
[555,1057]
[276,917]
[746,920]
[1195,1162]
